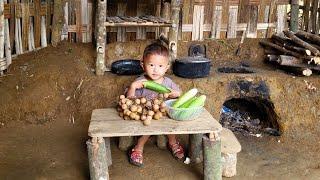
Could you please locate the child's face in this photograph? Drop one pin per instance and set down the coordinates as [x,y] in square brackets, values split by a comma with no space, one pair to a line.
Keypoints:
[155,66]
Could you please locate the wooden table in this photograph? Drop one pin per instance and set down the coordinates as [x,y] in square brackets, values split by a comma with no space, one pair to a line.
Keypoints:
[106,123]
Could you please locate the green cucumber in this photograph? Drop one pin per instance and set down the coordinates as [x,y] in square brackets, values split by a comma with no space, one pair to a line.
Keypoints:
[155,87]
[185,97]
[198,102]
[186,104]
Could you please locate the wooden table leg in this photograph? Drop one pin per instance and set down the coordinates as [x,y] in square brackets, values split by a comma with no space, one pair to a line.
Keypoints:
[108,151]
[195,148]
[97,159]
[125,142]
[162,141]
[212,157]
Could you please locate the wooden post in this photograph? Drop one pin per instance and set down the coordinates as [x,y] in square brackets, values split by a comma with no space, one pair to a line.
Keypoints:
[195,152]
[64,33]
[313,17]
[173,32]
[162,141]
[272,11]
[57,22]
[294,24]
[306,14]
[84,19]
[197,25]
[212,168]
[125,142]
[281,17]
[232,24]
[43,32]
[97,159]
[89,25]
[121,34]
[165,14]
[31,35]
[108,151]
[101,36]
[216,23]
[253,21]
[157,14]
[25,24]
[141,31]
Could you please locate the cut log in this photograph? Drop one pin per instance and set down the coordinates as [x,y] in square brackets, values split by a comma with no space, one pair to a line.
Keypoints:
[295,62]
[162,141]
[125,142]
[212,169]
[279,48]
[97,159]
[287,44]
[309,36]
[302,43]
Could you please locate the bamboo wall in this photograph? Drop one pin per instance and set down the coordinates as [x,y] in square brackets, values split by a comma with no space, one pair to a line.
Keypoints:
[310,20]
[224,18]
[25,25]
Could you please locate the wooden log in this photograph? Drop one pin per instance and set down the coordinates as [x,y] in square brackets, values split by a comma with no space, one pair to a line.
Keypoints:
[43,32]
[195,144]
[295,62]
[288,44]
[101,36]
[57,22]
[302,43]
[294,18]
[313,17]
[97,159]
[212,168]
[308,36]
[1,29]
[125,142]
[7,42]
[162,141]
[173,33]
[279,48]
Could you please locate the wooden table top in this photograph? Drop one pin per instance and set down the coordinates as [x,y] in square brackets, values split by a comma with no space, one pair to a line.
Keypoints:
[107,123]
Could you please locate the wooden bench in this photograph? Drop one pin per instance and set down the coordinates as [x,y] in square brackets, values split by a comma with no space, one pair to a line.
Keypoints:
[106,123]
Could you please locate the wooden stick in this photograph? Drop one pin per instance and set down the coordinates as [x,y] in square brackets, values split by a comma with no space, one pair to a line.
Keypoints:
[97,159]
[101,36]
[1,29]
[43,32]
[195,144]
[302,43]
[279,48]
[309,36]
[212,159]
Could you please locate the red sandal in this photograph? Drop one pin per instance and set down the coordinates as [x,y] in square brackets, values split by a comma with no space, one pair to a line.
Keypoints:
[136,158]
[177,150]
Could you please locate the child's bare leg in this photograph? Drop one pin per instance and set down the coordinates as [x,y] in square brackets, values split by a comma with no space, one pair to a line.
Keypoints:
[172,138]
[141,142]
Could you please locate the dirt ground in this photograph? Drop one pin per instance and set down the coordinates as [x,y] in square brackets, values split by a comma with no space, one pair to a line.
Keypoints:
[47,98]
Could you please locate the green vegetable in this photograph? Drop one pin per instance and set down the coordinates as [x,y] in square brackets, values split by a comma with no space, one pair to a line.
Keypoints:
[156,87]
[186,104]
[198,102]
[185,97]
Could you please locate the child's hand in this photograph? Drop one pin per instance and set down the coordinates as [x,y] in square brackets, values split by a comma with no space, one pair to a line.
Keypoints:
[174,94]
[137,84]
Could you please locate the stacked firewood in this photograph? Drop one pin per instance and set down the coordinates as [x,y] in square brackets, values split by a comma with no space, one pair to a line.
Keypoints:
[296,52]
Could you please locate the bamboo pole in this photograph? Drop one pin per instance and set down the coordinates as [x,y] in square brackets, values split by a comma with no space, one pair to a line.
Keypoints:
[7,41]
[101,36]
[294,24]
[173,32]
[195,152]
[1,29]
[43,32]
[212,157]
[97,159]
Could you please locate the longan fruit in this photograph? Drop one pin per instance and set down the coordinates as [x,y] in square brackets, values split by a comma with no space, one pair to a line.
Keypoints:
[147,122]
[143,100]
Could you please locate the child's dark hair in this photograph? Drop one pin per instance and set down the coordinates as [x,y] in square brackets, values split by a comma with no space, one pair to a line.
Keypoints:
[155,49]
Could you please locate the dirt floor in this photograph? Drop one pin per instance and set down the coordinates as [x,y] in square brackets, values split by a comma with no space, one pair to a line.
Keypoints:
[47,98]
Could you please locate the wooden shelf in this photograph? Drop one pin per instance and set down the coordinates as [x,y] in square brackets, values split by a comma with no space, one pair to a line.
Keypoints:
[126,21]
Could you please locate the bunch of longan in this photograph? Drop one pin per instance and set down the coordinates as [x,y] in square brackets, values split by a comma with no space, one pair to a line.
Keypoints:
[142,109]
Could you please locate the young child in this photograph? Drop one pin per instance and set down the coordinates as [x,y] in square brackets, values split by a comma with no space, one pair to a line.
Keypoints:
[155,63]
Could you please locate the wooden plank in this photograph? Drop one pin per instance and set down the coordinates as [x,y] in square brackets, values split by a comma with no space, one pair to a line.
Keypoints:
[165,14]
[141,31]
[49,19]
[84,18]
[121,34]
[107,123]
[64,33]
[306,15]
[313,18]
[25,23]
[37,24]
[272,16]
[217,18]
[224,27]
[233,14]
[7,41]
[281,17]
[198,20]
[12,23]
[1,29]
[78,20]
[31,45]
[253,21]
[89,25]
